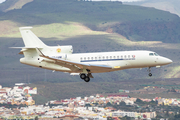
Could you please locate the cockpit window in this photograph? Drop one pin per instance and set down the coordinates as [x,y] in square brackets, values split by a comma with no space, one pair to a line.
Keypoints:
[156,54]
[151,54]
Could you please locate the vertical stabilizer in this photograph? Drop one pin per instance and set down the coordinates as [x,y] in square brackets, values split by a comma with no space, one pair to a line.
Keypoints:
[30,39]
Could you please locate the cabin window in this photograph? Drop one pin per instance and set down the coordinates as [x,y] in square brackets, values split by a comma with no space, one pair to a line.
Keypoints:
[95,58]
[88,58]
[103,57]
[125,56]
[151,54]
[84,58]
[110,57]
[99,58]
[117,57]
[91,58]
[106,57]
[114,57]
[128,56]
[81,58]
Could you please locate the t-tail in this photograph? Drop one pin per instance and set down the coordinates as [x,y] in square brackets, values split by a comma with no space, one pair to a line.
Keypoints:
[30,39]
[32,43]
[35,50]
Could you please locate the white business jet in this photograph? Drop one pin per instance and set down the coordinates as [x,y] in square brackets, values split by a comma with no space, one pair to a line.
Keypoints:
[61,58]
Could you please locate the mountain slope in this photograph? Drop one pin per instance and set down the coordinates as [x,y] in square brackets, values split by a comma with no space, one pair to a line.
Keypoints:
[134,22]
[13,4]
[89,27]
[173,6]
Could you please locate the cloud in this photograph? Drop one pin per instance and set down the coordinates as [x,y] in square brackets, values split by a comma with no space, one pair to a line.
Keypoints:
[2,1]
[131,0]
[120,0]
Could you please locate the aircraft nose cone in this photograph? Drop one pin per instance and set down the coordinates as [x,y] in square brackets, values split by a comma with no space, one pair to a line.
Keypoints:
[164,61]
[167,61]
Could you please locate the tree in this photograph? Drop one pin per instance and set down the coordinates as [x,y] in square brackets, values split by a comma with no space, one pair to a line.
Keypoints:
[108,104]
[159,116]
[87,105]
[139,100]
[167,113]
[122,103]
[36,118]
[110,118]
[153,103]
[177,116]
[173,90]
[126,118]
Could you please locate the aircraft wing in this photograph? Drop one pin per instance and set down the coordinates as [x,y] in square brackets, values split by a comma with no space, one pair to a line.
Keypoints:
[79,65]
[72,65]
[25,48]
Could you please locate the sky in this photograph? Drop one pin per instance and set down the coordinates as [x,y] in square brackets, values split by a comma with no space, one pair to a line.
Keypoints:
[120,0]
[2,1]
[102,0]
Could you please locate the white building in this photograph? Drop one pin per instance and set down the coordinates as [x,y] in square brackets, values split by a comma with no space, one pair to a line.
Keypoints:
[122,114]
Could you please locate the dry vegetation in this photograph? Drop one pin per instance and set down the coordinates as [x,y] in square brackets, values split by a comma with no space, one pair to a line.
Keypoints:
[112,28]
[17,5]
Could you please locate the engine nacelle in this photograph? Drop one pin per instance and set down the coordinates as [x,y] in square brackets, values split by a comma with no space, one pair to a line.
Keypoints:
[58,50]
[65,49]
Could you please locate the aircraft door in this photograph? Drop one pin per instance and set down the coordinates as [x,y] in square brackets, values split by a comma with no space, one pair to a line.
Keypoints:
[65,56]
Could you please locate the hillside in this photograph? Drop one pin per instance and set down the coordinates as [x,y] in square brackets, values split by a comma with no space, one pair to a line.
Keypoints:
[89,27]
[136,25]
[13,4]
[134,22]
[58,91]
[63,24]
[173,6]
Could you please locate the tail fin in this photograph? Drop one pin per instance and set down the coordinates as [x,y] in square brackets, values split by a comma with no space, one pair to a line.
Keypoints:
[30,39]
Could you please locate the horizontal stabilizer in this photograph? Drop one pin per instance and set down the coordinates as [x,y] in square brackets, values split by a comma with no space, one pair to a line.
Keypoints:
[24,47]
